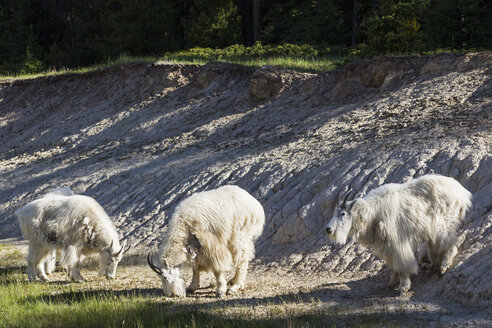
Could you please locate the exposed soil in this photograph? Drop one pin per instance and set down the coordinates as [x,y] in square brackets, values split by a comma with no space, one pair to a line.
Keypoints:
[139,138]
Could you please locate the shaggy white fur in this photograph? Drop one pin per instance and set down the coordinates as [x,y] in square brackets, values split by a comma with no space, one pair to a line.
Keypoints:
[50,259]
[213,231]
[76,224]
[394,219]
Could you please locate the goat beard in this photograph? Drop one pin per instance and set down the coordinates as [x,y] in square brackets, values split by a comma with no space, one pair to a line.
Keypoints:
[341,234]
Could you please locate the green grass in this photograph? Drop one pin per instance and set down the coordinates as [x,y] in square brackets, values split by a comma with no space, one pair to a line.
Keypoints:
[80,70]
[301,64]
[303,58]
[63,304]
[95,304]
[25,304]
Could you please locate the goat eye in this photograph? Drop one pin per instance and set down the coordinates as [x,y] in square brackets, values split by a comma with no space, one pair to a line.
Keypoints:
[112,259]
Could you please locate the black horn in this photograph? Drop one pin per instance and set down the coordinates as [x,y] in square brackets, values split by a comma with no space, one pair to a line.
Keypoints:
[344,203]
[152,266]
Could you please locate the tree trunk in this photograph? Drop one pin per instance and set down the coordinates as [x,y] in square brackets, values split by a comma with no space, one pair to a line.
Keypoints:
[354,24]
[245,10]
[256,20]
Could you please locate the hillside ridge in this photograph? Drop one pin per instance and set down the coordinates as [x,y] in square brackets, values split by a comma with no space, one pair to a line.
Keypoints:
[139,138]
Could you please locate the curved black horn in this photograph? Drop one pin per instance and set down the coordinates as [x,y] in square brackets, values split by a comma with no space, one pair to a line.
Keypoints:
[152,266]
[344,203]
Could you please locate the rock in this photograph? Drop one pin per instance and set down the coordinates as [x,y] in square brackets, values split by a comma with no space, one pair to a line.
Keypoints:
[265,83]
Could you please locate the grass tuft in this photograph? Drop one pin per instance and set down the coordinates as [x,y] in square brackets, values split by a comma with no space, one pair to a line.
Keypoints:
[303,58]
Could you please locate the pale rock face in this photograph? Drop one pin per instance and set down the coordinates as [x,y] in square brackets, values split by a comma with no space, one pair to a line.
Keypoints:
[140,139]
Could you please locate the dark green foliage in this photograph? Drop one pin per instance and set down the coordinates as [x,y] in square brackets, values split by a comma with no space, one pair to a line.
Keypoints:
[257,50]
[50,34]
[394,27]
[31,63]
[458,24]
[13,36]
[144,27]
[212,24]
[314,22]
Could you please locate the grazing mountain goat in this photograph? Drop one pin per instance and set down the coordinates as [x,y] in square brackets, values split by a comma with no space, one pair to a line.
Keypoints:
[75,223]
[394,219]
[50,259]
[213,231]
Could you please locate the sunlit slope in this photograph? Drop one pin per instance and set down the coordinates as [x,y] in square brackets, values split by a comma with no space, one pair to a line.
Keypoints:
[139,138]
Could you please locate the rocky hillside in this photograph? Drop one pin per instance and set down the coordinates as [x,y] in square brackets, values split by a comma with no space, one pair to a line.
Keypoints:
[140,138]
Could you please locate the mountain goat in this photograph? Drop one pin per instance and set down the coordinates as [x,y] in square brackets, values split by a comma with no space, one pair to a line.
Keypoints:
[50,259]
[213,231]
[394,219]
[76,224]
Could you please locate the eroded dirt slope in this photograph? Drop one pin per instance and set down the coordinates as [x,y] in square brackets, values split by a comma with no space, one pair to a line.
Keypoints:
[140,138]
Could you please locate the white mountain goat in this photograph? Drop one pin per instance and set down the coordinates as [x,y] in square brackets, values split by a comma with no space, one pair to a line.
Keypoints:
[213,231]
[76,224]
[50,259]
[394,219]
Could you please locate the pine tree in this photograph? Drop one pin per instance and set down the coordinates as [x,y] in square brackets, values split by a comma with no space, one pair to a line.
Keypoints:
[13,36]
[458,24]
[312,22]
[212,24]
[394,27]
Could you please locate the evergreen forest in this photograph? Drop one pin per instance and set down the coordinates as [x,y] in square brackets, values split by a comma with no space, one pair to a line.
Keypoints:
[37,35]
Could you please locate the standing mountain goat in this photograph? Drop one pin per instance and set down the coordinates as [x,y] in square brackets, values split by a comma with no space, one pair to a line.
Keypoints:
[394,219]
[76,224]
[213,231]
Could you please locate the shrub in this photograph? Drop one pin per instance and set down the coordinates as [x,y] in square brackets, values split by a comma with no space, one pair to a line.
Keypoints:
[255,51]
